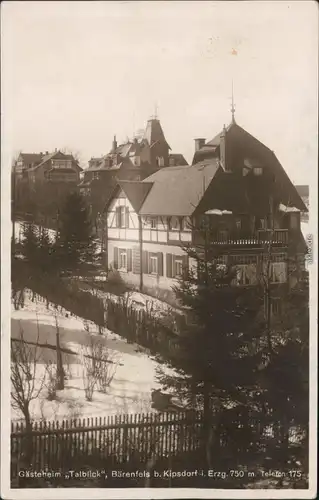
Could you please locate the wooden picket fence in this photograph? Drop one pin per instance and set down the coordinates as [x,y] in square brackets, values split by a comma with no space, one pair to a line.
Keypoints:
[133,439]
[115,439]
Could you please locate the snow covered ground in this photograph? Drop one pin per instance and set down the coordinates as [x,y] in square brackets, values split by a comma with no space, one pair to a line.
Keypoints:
[19,231]
[130,390]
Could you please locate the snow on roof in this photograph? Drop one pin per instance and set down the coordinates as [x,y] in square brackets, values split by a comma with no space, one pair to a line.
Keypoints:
[216,211]
[284,208]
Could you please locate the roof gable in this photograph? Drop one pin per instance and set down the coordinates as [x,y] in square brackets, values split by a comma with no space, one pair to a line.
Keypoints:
[59,156]
[134,191]
[256,149]
[178,190]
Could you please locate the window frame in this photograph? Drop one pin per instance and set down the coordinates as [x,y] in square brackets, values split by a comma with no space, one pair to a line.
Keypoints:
[258,171]
[177,262]
[153,258]
[243,280]
[274,267]
[177,219]
[121,253]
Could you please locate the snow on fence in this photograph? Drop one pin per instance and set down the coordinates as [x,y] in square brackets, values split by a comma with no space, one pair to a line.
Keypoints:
[135,439]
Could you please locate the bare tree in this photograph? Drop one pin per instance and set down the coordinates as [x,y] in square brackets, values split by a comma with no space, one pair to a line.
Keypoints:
[99,366]
[60,374]
[26,385]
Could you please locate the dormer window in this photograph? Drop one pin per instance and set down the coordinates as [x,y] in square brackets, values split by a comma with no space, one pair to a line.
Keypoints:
[258,171]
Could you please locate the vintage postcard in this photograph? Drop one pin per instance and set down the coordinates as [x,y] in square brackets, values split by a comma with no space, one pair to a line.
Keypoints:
[159,249]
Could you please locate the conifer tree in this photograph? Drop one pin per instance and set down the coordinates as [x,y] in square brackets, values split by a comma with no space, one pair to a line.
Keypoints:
[30,244]
[75,243]
[215,364]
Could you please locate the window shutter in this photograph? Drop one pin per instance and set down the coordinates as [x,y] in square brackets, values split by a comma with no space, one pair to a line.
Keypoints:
[160,263]
[185,265]
[145,262]
[118,217]
[136,260]
[129,259]
[169,265]
[127,217]
[116,258]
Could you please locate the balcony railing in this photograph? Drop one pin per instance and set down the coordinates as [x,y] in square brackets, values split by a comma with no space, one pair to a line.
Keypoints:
[277,237]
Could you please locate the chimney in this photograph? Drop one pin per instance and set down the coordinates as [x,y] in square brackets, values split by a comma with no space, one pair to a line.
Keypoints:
[114,145]
[199,143]
[47,152]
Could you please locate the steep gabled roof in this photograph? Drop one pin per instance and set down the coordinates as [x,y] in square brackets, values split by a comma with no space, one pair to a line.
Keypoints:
[303,190]
[265,154]
[178,158]
[178,190]
[136,192]
[61,155]
[31,157]
[154,132]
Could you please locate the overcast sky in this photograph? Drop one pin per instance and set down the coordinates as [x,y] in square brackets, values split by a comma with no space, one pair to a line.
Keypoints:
[76,73]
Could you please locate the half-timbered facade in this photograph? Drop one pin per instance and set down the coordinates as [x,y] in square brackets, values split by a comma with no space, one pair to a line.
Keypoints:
[236,192]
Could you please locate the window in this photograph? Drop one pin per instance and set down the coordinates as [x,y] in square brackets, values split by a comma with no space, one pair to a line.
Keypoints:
[122,217]
[245,171]
[160,161]
[258,171]
[263,223]
[153,264]
[246,274]
[153,222]
[123,260]
[186,224]
[238,224]
[174,223]
[276,306]
[96,175]
[243,259]
[278,272]
[175,265]
[178,267]
[137,161]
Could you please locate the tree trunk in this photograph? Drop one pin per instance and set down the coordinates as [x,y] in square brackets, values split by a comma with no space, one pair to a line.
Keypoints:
[59,363]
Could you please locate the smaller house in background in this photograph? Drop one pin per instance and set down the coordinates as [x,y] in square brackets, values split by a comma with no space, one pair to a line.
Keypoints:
[303,192]
[56,167]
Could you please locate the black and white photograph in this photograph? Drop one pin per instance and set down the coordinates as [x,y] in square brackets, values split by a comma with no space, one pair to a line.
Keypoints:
[159,169]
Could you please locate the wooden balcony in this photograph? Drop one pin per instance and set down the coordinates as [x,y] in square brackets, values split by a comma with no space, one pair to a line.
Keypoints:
[278,237]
